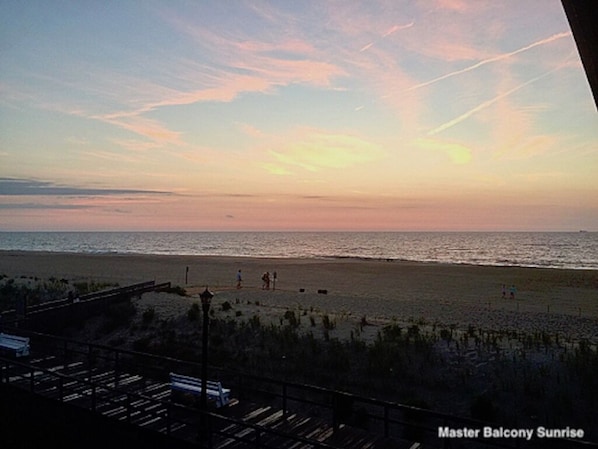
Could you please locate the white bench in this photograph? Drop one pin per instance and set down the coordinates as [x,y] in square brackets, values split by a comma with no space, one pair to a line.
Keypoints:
[193,386]
[14,345]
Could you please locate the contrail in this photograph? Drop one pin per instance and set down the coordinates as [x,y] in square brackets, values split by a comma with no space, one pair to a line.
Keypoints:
[392,30]
[495,58]
[366,47]
[485,104]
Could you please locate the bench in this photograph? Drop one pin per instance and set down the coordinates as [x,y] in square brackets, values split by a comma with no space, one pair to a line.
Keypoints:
[192,385]
[14,345]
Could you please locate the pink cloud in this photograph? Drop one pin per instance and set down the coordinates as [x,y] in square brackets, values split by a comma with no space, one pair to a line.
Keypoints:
[143,126]
[453,5]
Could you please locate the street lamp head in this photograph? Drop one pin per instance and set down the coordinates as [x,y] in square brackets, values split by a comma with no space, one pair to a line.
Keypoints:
[206,297]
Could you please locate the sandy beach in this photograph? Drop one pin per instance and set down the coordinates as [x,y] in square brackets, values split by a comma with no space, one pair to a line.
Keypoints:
[546,300]
[475,345]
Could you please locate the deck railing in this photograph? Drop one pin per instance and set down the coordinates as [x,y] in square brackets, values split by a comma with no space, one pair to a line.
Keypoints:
[389,419]
[94,395]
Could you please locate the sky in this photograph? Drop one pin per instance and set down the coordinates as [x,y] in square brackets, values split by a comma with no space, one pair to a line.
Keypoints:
[398,115]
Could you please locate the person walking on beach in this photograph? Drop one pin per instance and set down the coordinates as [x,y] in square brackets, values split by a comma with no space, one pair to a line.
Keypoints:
[512,291]
[239,279]
[266,281]
[504,291]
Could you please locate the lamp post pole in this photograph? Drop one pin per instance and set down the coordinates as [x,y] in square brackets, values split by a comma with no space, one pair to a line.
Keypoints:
[206,298]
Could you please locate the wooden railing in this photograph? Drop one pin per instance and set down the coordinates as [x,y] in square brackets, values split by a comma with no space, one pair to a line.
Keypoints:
[29,316]
[129,290]
[97,394]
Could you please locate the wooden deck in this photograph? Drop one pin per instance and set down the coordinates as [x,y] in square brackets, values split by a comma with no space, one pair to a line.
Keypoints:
[146,403]
[132,389]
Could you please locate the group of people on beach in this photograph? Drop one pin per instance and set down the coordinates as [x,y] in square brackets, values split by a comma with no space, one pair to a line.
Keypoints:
[266,280]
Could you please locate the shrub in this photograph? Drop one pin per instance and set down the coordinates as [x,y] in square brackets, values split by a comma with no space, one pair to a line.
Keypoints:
[289,315]
[148,315]
[254,322]
[226,306]
[193,312]
[177,290]
[117,315]
[328,323]
[413,331]
[84,288]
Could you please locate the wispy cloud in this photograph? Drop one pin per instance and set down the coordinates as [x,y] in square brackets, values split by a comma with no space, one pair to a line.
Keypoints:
[21,206]
[244,66]
[458,153]
[29,187]
[149,128]
[314,150]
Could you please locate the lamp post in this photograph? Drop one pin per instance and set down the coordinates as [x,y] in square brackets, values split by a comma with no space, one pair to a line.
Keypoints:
[206,298]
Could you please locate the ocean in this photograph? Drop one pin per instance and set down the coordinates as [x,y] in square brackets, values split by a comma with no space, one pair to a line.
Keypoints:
[577,250]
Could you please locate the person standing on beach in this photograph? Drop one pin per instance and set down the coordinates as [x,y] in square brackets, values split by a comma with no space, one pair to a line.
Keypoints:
[266,281]
[504,291]
[513,290]
[239,279]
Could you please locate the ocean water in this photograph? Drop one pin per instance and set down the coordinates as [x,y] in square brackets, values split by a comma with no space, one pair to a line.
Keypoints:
[546,249]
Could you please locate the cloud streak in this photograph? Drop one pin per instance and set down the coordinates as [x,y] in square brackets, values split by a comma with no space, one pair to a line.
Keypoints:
[493,59]
[488,103]
[29,187]
[36,206]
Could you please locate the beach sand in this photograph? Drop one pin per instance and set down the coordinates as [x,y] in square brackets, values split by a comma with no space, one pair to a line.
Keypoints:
[375,292]
[482,343]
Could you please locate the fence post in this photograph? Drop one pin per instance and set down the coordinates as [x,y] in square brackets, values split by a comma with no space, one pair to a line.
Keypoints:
[210,442]
[65,354]
[116,368]
[241,386]
[284,400]
[89,361]
[5,372]
[386,421]
[168,418]
[93,398]
[335,423]
[129,411]
[258,438]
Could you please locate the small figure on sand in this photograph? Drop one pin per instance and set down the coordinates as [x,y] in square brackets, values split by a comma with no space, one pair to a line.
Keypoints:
[274,276]
[504,291]
[266,281]
[512,291]
[239,279]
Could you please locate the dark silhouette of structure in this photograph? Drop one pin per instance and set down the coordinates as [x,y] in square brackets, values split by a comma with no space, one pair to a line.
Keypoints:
[583,20]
